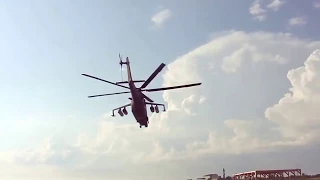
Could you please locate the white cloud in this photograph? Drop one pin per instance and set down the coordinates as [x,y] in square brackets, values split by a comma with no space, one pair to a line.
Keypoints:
[316,4]
[276,4]
[200,123]
[257,12]
[161,17]
[297,21]
[231,51]
[297,112]
[236,49]
[296,116]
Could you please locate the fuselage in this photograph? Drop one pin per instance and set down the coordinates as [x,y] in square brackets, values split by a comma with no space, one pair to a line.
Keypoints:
[138,105]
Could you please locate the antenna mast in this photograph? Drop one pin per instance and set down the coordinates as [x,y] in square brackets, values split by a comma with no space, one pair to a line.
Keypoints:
[224,174]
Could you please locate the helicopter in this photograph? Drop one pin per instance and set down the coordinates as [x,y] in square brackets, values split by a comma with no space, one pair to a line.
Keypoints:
[139,100]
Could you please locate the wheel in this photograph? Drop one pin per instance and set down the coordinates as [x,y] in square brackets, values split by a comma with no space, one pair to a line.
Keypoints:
[146,125]
[140,126]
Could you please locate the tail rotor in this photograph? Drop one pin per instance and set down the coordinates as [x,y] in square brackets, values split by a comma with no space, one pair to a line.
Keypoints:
[120,58]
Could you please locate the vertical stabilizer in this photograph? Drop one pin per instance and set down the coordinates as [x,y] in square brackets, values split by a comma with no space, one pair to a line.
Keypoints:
[128,70]
[127,62]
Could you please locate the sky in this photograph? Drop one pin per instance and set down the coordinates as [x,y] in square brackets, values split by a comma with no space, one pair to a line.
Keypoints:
[258,61]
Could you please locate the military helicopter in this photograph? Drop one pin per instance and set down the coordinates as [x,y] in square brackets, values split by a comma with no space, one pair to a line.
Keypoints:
[139,100]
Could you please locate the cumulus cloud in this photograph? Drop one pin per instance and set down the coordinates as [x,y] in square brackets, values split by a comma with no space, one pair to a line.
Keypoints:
[258,13]
[296,117]
[259,9]
[297,21]
[254,47]
[161,17]
[275,5]
[232,51]
[297,112]
[316,4]
[216,120]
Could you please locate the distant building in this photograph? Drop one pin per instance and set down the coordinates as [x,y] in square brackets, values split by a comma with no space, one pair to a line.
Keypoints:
[208,177]
[268,174]
[211,177]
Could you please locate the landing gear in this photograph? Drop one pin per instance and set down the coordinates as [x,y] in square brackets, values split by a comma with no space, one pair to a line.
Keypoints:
[145,125]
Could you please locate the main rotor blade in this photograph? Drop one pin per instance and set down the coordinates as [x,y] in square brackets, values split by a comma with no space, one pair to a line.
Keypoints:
[147,98]
[172,87]
[153,75]
[108,94]
[105,81]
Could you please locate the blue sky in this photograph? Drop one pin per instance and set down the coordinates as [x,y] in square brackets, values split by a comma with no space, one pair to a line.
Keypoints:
[47,45]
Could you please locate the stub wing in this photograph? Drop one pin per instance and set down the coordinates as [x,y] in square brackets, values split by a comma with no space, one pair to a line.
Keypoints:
[121,110]
[156,106]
